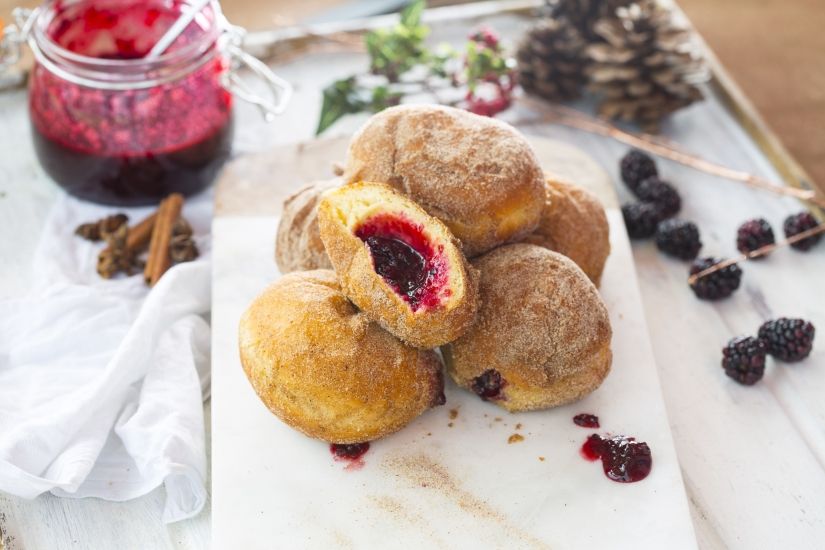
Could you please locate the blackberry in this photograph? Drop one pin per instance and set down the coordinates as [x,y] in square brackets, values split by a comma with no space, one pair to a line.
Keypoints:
[637,167]
[678,238]
[661,194]
[754,234]
[717,285]
[788,340]
[744,359]
[797,224]
[641,219]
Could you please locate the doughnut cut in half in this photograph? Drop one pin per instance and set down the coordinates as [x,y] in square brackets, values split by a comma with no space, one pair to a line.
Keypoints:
[398,264]
[325,369]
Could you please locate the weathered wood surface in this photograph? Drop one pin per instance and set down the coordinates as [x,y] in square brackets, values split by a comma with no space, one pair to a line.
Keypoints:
[753,459]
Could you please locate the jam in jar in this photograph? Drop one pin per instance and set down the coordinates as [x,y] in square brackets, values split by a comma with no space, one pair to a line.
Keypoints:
[110,125]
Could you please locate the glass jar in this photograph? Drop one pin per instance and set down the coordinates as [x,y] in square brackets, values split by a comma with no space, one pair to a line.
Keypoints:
[113,127]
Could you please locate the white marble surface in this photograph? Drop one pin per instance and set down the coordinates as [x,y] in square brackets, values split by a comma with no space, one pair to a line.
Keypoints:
[752,459]
[440,483]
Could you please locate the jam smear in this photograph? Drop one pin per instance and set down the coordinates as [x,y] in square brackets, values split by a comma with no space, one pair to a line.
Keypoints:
[488,386]
[348,452]
[586,420]
[351,454]
[623,458]
[401,264]
[406,259]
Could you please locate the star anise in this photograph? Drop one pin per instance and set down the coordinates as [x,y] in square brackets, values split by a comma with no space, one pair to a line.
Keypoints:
[117,256]
[94,231]
[181,246]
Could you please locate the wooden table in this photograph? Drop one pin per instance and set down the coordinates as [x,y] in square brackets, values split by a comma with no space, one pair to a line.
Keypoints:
[753,458]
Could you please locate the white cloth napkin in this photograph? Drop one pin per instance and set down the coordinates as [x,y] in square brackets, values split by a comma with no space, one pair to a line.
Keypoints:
[102,382]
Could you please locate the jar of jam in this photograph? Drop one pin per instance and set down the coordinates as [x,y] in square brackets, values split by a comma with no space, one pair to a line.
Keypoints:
[114,126]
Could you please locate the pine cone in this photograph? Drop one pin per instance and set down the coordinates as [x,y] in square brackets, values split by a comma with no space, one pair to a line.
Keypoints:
[583,14]
[646,65]
[550,60]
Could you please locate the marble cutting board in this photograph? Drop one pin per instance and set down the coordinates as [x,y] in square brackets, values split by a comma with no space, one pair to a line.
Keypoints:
[452,478]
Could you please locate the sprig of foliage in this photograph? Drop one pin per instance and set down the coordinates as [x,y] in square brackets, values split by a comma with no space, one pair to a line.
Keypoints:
[401,64]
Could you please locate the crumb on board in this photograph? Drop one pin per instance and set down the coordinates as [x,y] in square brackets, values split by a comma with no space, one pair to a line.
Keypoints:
[515,438]
[450,425]
[518,426]
[453,413]
[497,419]
[541,458]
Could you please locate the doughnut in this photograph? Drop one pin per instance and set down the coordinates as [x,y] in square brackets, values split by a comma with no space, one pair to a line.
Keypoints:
[574,224]
[541,337]
[327,370]
[399,265]
[476,174]
[298,246]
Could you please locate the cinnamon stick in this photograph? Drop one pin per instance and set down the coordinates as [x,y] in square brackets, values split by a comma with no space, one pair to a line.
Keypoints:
[160,259]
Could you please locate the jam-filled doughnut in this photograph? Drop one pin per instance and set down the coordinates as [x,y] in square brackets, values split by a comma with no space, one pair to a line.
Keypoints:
[324,368]
[398,264]
[542,334]
[476,174]
[574,224]
[298,246]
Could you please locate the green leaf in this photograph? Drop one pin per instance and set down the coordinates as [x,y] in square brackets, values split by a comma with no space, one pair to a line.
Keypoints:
[340,98]
[411,15]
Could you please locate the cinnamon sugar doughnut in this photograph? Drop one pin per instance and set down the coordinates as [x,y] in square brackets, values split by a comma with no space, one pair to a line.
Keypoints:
[298,246]
[574,224]
[402,267]
[542,334]
[476,174]
[324,368]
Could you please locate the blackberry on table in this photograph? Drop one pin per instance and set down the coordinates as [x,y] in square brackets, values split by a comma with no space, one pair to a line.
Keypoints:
[798,223]
[717,285]
[641,219]
[788,340]
[754,234]
[678,238]
[744,359]
[661,194]
[637,167]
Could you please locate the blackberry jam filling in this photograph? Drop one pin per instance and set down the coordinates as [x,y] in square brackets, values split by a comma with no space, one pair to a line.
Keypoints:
[488,386]
[412,265]
[401,265]
[623,458]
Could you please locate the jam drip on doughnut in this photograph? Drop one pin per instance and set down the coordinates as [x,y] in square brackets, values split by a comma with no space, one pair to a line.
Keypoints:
[412,265]
[488,386]
[623,458]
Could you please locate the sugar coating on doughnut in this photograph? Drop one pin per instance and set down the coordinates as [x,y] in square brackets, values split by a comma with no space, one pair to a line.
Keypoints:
[541,337]
[478,175]
[298,245]
[401,266]
[324,368]
[574,224]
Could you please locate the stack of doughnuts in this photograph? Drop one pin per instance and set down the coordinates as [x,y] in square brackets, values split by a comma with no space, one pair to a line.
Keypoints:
[442,232]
